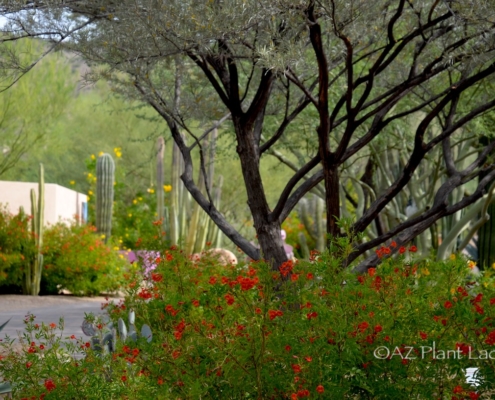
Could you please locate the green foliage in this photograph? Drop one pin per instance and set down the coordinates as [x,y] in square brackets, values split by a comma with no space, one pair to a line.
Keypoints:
[307,330]
[29,111]
[17,247]
[77,259]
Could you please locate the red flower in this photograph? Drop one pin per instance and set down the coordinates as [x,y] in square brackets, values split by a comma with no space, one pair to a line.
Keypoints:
[478,298]
[413,249]
[274,313]
[311,315]
[195,303]
[156,277]
[363,326]
[175,354]
[288,348]
[169,257]
[448,304]
[294,277]
[393,244]
[458,389]
[247,283]
[49,385]
[320,389]
[423,335]
[286,268]
[29,364]
[87,345]
[402,250]
[123,378]
[53,325]
[492,301]
[257,310]
[474,396]
[296,368]
[479,309]
[378,329]
[160,380]
[371,271]
[230,299]
[309,275]
[212,280]
[308,358]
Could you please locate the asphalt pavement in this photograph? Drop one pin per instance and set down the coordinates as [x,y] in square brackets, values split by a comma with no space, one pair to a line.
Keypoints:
[47,309]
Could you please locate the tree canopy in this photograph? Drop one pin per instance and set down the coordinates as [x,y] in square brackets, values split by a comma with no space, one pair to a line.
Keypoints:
[352,70]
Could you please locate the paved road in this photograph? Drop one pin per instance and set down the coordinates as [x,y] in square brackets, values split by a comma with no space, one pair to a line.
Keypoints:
[47,309]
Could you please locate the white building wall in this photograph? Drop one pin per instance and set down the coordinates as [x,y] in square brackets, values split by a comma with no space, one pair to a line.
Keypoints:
[60,203]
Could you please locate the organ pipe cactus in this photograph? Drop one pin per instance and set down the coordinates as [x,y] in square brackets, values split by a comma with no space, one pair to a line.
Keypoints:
[311,215]
[105,176]
[32,276]
[188,224]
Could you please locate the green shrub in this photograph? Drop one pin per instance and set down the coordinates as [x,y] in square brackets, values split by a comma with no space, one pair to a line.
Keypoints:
[308,330]
[16,248]
[77,259]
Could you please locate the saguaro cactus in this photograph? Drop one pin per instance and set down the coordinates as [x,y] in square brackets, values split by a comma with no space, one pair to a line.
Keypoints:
[32,277]
[105,175]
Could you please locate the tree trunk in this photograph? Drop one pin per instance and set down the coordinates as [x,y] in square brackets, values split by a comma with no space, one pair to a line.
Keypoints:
[267,230]
[332,201]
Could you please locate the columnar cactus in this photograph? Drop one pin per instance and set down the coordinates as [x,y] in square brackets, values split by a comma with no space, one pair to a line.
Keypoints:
[32,277]
[105,176]
[311,215]
[160,151]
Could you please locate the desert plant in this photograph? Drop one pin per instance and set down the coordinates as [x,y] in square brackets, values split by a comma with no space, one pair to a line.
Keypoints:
[32,276]
[105,178]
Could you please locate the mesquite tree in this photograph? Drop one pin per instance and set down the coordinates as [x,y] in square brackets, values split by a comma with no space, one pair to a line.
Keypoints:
[354,69]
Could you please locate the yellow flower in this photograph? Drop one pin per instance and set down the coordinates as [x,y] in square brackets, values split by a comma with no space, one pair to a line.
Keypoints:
[493,265]
[471,264]
[129,215]
[103,236]
[118,269]
[167,188]
[150,190]
[118,152]
[90,192]
[425,271]
[100,153]
[93,156]
[72,182]
[452,257]
[452,291]
[140,198]
[116,248]
[121,255]
[89,198]
[90,175]
[134,201]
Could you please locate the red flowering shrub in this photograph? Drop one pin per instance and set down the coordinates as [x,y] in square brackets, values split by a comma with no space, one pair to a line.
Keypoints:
[384,335]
